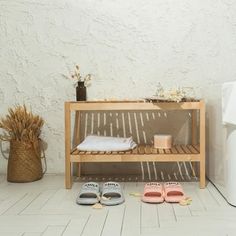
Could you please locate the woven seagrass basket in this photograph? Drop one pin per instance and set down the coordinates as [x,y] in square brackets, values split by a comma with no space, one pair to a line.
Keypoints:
[24,163]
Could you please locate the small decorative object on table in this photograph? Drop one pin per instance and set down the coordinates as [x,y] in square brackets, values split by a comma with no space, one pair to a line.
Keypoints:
[81,93]
[177,94]
[163,141]
[82,83]
[22,130]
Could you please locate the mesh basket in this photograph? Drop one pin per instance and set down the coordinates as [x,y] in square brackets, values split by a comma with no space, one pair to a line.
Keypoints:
[24,163]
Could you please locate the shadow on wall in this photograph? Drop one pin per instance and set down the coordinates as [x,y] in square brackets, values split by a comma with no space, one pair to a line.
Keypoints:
[141,126]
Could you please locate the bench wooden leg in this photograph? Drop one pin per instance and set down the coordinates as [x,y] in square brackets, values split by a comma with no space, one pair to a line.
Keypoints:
[202,174]
[78,169]
[77,140]
[68,165]
[194,137]
[202,146]
[68,176]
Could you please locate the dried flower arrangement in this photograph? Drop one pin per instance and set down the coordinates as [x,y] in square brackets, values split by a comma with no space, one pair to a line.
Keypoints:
[78,78]
[21,125]
[177,94]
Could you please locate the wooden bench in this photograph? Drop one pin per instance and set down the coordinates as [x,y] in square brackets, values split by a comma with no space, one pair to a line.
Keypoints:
[194,152]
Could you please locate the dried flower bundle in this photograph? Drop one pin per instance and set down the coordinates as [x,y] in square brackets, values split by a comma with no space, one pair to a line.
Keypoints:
[177,94]
[21,125]
[77,76]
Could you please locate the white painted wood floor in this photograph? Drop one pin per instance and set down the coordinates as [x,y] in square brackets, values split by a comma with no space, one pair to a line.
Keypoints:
[46,208]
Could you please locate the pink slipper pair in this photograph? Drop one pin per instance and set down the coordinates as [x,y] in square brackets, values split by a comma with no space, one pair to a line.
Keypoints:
[156,193]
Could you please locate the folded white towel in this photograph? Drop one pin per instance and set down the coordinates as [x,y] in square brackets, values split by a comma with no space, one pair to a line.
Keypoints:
[106,144]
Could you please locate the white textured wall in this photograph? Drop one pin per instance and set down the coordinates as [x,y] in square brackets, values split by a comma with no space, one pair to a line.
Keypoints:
[129,46]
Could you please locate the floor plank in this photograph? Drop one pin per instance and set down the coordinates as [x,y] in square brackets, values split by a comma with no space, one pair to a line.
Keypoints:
[181,211]
[38,203]
[95,223]
[114,221]
[132,218]
[214,192]
[55,230]
[207,199]
[30,224]
[75,227]
[21,204]
[149,216]
[11,201]
[31,234]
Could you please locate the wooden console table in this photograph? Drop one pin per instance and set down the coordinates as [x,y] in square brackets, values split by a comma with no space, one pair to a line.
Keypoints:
[194,152]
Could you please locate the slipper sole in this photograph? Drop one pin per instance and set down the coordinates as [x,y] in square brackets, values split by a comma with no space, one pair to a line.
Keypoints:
[112,203]
[152,199]
[84,201]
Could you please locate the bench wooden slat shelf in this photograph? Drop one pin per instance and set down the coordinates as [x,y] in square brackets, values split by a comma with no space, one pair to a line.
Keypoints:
[145,153]
[194,152]
[147,149]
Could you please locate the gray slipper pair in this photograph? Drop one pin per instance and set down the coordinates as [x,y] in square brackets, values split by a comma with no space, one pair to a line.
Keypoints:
[111,194]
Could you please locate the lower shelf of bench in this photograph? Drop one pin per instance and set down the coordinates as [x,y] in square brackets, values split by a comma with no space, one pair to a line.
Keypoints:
[141,153]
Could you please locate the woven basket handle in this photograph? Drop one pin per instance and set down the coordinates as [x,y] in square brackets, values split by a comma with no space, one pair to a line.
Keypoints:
[4,155]
[43,156]
[45,162]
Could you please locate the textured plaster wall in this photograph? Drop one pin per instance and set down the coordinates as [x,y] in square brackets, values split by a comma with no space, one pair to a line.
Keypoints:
[129,46]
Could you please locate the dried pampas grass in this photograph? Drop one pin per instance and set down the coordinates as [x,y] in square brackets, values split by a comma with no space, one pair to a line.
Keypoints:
[21,125]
